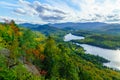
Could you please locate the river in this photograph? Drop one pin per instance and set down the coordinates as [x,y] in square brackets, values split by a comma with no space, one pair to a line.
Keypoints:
[112,55]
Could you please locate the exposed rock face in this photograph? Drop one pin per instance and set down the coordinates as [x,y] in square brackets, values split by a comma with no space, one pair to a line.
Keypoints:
[5,52]
[10,62]
[31,68]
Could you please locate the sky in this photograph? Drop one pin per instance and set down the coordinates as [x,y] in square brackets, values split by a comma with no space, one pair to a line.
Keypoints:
[60,11]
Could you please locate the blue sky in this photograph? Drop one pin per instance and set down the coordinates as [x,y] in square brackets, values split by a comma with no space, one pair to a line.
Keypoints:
[55,11]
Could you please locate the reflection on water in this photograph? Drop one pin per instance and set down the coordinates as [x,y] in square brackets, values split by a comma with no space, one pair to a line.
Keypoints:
[70,37]
[112,55]
[112,64]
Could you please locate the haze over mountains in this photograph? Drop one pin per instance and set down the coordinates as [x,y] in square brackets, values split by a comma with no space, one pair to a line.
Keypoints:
[89,26]
[76,26]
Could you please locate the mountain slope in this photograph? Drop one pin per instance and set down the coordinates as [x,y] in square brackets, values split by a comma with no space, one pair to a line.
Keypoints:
[110,29]
[77,26]
[84,26]
[53,60]
[45,29]
[29,25]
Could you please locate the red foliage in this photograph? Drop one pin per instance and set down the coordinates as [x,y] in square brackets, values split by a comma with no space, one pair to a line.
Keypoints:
[43,72]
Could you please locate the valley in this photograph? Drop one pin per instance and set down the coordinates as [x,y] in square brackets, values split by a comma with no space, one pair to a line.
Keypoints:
[43,53]
[109,54]
[59,39]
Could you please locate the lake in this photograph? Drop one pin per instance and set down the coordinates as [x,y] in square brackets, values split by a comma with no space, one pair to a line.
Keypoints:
[112,55]
[70,37]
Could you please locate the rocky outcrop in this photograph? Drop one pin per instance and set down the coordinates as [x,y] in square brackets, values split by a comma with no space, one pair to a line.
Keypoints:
[32,68]
[5,52]
[11,63]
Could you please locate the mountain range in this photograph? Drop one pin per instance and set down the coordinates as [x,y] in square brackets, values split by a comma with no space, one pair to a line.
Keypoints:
[88,26]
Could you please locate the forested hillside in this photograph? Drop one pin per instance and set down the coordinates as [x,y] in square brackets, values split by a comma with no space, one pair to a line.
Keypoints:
[30,55]
[103,40]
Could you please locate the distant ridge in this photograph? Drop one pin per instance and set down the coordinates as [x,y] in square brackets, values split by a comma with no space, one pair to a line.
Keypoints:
[89,26]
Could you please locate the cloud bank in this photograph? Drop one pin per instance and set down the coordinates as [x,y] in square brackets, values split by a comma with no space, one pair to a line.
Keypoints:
[67,10]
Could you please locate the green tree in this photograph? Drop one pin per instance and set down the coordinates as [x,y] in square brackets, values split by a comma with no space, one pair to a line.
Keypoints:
[51,62]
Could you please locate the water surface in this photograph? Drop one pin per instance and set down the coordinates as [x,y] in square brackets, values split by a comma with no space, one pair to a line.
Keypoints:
[70,37]
[112,55]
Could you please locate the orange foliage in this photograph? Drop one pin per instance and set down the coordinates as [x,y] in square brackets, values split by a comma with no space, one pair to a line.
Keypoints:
[29,51]
[13,26]
[36,52]
[42,57]
[16,30]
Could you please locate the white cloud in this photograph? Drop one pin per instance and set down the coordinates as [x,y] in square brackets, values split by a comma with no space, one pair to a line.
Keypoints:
[4,18]
[91,8]
[61,11]
[27,7]
[20,11]
[44,11]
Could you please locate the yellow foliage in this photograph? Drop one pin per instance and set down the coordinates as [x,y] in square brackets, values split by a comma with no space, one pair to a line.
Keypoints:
[41,48]
[38,39]
[20,33]
[1,39]
[9,32]
[2,28]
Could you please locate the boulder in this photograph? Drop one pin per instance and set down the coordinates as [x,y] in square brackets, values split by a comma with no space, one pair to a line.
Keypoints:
[5,52]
